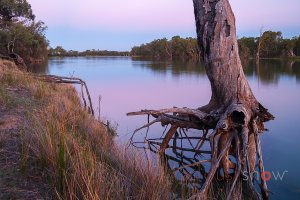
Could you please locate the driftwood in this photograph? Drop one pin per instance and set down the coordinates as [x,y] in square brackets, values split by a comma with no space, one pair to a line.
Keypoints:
[84,90]
[71,80]
[234,116]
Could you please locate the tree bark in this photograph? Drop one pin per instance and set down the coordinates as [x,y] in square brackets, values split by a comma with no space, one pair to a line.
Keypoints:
[231,93]
[217,41]
[233,112]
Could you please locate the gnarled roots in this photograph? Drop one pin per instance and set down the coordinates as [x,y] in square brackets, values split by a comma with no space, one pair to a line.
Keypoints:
[235,135]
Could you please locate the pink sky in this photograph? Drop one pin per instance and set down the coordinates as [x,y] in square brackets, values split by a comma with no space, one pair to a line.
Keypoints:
[152,19]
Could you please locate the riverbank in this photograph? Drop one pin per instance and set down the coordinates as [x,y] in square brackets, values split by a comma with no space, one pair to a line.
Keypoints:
[50,148]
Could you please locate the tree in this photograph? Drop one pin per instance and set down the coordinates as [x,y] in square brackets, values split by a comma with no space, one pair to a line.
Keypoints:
[15,10]
[270,44]
[247,47]
[57,51]
[241,114]
[19,33]
[297,46]
[259,39]
[27,41]
[233,114]
[177,47]
[161,48]
[287,46]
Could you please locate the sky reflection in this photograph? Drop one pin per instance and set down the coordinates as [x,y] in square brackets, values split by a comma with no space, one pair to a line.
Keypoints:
[127,85]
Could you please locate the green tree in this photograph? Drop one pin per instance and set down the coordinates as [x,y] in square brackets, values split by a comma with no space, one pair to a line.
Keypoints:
[161,48]
[287,47]
[177,47]
[15,10]
[19,33]
[297,46]
[270,44]
[247,47]
[57,51]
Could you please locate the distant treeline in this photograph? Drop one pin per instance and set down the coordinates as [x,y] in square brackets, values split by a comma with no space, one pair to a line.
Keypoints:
[176,48]
[269,45]
[60,51]
[272,44]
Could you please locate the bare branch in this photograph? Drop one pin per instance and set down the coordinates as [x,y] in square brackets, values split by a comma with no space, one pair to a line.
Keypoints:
[195,112]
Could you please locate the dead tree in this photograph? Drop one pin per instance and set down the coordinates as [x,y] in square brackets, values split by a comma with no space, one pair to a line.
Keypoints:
[233,113]
[259,47]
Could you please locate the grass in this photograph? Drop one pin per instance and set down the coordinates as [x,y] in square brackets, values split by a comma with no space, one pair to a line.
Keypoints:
[73,149]
[6,99]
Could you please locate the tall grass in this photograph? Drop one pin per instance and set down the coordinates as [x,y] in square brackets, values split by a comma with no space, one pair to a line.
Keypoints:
[74,149]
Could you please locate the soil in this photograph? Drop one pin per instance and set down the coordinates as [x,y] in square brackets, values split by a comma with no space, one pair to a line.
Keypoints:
[19,178]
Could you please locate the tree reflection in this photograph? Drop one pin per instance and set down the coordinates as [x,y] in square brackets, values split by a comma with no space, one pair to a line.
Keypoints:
[269,71]
[39,68]
[187,159]
[176,68]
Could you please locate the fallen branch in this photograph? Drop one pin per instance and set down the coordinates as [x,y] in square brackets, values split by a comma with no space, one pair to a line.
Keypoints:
[70,80]
[197,113]
[183,117]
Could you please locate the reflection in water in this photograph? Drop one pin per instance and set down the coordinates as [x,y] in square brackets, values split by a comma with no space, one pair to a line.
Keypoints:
[40,68]
[187,159]
[175,67]
[128,84]
[268,72]
[296,70]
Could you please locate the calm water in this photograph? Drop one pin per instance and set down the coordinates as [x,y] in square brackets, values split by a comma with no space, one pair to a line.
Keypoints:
[126,85]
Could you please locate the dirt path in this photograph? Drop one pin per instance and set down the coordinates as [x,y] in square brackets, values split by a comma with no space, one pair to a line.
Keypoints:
[18,180]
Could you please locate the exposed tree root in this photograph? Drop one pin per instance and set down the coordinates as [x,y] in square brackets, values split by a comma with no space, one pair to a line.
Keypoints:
[230,136]
[233,114]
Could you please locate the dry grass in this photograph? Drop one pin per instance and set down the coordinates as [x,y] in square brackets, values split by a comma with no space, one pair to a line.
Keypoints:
[75,150]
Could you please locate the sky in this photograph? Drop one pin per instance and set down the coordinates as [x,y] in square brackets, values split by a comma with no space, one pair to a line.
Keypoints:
[122,24]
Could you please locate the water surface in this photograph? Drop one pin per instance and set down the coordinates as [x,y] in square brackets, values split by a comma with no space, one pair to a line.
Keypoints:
[126,84]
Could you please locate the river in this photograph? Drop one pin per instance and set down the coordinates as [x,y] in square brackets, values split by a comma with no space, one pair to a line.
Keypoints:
[127,84]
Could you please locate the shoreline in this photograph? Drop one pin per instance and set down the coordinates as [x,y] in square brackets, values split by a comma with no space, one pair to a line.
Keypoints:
[55,147]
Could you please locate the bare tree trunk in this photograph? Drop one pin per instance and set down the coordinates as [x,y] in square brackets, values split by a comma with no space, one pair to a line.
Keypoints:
[258,51]
[218,46]
[259,47]
[233,112]
[231,93]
